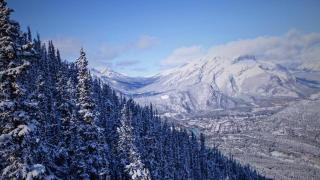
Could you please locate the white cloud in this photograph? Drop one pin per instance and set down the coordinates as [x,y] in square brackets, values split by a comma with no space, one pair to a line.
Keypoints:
[110,52]
[291,48]
[127,63]
[70,47]
[183,55]
[145,42]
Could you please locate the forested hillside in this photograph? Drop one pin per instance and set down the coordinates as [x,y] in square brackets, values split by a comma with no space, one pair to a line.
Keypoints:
[57,122]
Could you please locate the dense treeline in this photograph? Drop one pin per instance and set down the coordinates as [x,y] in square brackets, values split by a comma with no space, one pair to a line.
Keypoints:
[56,122]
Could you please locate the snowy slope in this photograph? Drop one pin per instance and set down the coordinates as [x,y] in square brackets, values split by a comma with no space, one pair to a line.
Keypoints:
[213,83]
[120,82]
[223,83]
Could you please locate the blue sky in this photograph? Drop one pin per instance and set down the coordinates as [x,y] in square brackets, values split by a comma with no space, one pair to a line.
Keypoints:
[142,37]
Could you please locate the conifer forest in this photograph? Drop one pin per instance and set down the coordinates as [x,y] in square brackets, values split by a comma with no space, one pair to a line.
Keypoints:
[57,122]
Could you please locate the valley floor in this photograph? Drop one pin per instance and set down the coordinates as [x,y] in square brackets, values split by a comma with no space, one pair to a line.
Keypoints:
[281,143]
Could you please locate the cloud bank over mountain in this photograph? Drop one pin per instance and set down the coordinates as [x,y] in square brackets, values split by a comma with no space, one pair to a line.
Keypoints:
[291,49]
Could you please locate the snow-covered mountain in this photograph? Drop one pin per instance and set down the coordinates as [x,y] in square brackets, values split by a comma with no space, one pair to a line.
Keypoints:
[218,83]
[121,82]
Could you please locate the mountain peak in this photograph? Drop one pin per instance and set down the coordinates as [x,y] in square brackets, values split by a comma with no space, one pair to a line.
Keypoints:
[107,71]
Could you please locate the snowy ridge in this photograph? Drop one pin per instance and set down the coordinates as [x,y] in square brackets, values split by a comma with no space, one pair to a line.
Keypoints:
[121,82]
[217,83]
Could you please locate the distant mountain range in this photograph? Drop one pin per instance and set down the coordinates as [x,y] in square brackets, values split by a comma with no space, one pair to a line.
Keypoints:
[213,83]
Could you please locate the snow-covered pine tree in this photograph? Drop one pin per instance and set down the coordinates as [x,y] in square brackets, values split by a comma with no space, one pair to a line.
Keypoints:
[148,141]
[66,118]
[130,157]
[49,72]
[17,117]
[91,149]
[85,103]
[100,120]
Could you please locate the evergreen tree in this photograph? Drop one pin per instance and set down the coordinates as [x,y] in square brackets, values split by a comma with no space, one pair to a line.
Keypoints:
[85,102]
[130,157]
[17,118]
